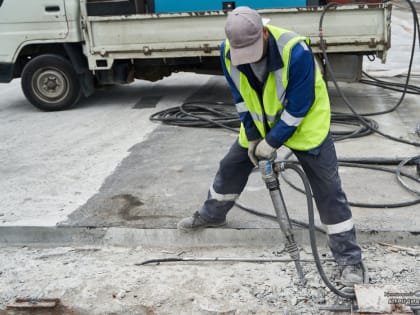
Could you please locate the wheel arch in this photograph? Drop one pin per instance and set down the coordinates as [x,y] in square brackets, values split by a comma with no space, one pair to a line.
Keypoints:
[73,52]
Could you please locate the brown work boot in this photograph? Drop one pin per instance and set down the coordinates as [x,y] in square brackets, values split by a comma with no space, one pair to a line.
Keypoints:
[197,222]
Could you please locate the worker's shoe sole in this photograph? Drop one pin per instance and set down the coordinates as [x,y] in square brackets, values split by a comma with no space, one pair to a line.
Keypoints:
[197,222]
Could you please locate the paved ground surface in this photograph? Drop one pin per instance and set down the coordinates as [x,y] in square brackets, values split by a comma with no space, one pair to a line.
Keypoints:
[87,193]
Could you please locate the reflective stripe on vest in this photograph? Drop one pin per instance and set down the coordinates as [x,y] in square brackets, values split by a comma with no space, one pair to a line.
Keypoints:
[311,129]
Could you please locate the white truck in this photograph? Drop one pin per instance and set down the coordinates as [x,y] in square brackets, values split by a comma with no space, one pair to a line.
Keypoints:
[63,49]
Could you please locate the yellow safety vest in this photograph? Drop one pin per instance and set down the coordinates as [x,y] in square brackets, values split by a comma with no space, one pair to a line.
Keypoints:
[314,128]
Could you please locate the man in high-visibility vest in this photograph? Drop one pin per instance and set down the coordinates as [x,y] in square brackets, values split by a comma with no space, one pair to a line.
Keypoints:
[281,99]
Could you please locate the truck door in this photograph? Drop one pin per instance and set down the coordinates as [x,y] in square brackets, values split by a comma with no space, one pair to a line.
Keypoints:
[23,22]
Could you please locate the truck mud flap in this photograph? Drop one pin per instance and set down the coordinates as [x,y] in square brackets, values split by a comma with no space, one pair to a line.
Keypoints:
[79,62]
[6,72]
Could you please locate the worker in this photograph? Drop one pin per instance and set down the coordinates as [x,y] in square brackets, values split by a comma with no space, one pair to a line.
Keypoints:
[281,99]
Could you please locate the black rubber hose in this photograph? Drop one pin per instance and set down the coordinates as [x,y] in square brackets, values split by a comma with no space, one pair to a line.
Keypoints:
[399,173]
[378,160]
[387,205]
[199,115]
[312,232]
[369,164]
[218,115]
[346,101]
[274,218]
[406,86]
[393,86]
[348,120]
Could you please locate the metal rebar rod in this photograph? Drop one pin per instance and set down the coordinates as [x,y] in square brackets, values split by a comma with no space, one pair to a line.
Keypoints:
[224,259]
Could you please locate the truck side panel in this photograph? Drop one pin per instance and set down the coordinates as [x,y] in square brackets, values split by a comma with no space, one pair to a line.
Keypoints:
[200,34]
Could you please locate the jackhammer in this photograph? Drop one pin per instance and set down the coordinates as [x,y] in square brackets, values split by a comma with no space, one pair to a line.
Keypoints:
[270,170]
[270,177]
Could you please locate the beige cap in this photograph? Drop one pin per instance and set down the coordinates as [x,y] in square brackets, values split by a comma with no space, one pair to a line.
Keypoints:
[244,30]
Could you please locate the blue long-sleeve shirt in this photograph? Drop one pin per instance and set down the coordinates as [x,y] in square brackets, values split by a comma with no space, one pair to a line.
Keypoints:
[299,97]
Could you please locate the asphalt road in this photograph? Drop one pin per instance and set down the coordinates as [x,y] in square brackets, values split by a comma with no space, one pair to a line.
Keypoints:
[104,163]
[53,162]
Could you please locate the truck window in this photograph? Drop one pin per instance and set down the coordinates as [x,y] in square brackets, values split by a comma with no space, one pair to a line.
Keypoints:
[118,7]
[1,2]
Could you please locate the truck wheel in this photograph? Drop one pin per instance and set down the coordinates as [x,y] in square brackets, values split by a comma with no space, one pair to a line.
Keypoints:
[50,83]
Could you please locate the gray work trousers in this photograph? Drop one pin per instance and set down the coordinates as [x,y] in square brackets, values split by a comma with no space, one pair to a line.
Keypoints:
[321,168]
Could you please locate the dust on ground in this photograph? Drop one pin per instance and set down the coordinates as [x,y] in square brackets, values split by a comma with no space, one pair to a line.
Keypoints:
[105,280]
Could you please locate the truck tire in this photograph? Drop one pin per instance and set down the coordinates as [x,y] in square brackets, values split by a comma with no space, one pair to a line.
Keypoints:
[50,83]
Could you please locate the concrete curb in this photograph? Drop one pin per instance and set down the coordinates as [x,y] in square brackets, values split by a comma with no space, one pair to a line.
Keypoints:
[132,237]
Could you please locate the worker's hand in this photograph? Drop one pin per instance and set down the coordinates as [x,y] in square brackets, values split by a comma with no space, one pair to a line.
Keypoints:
[265,151]
[251,151]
